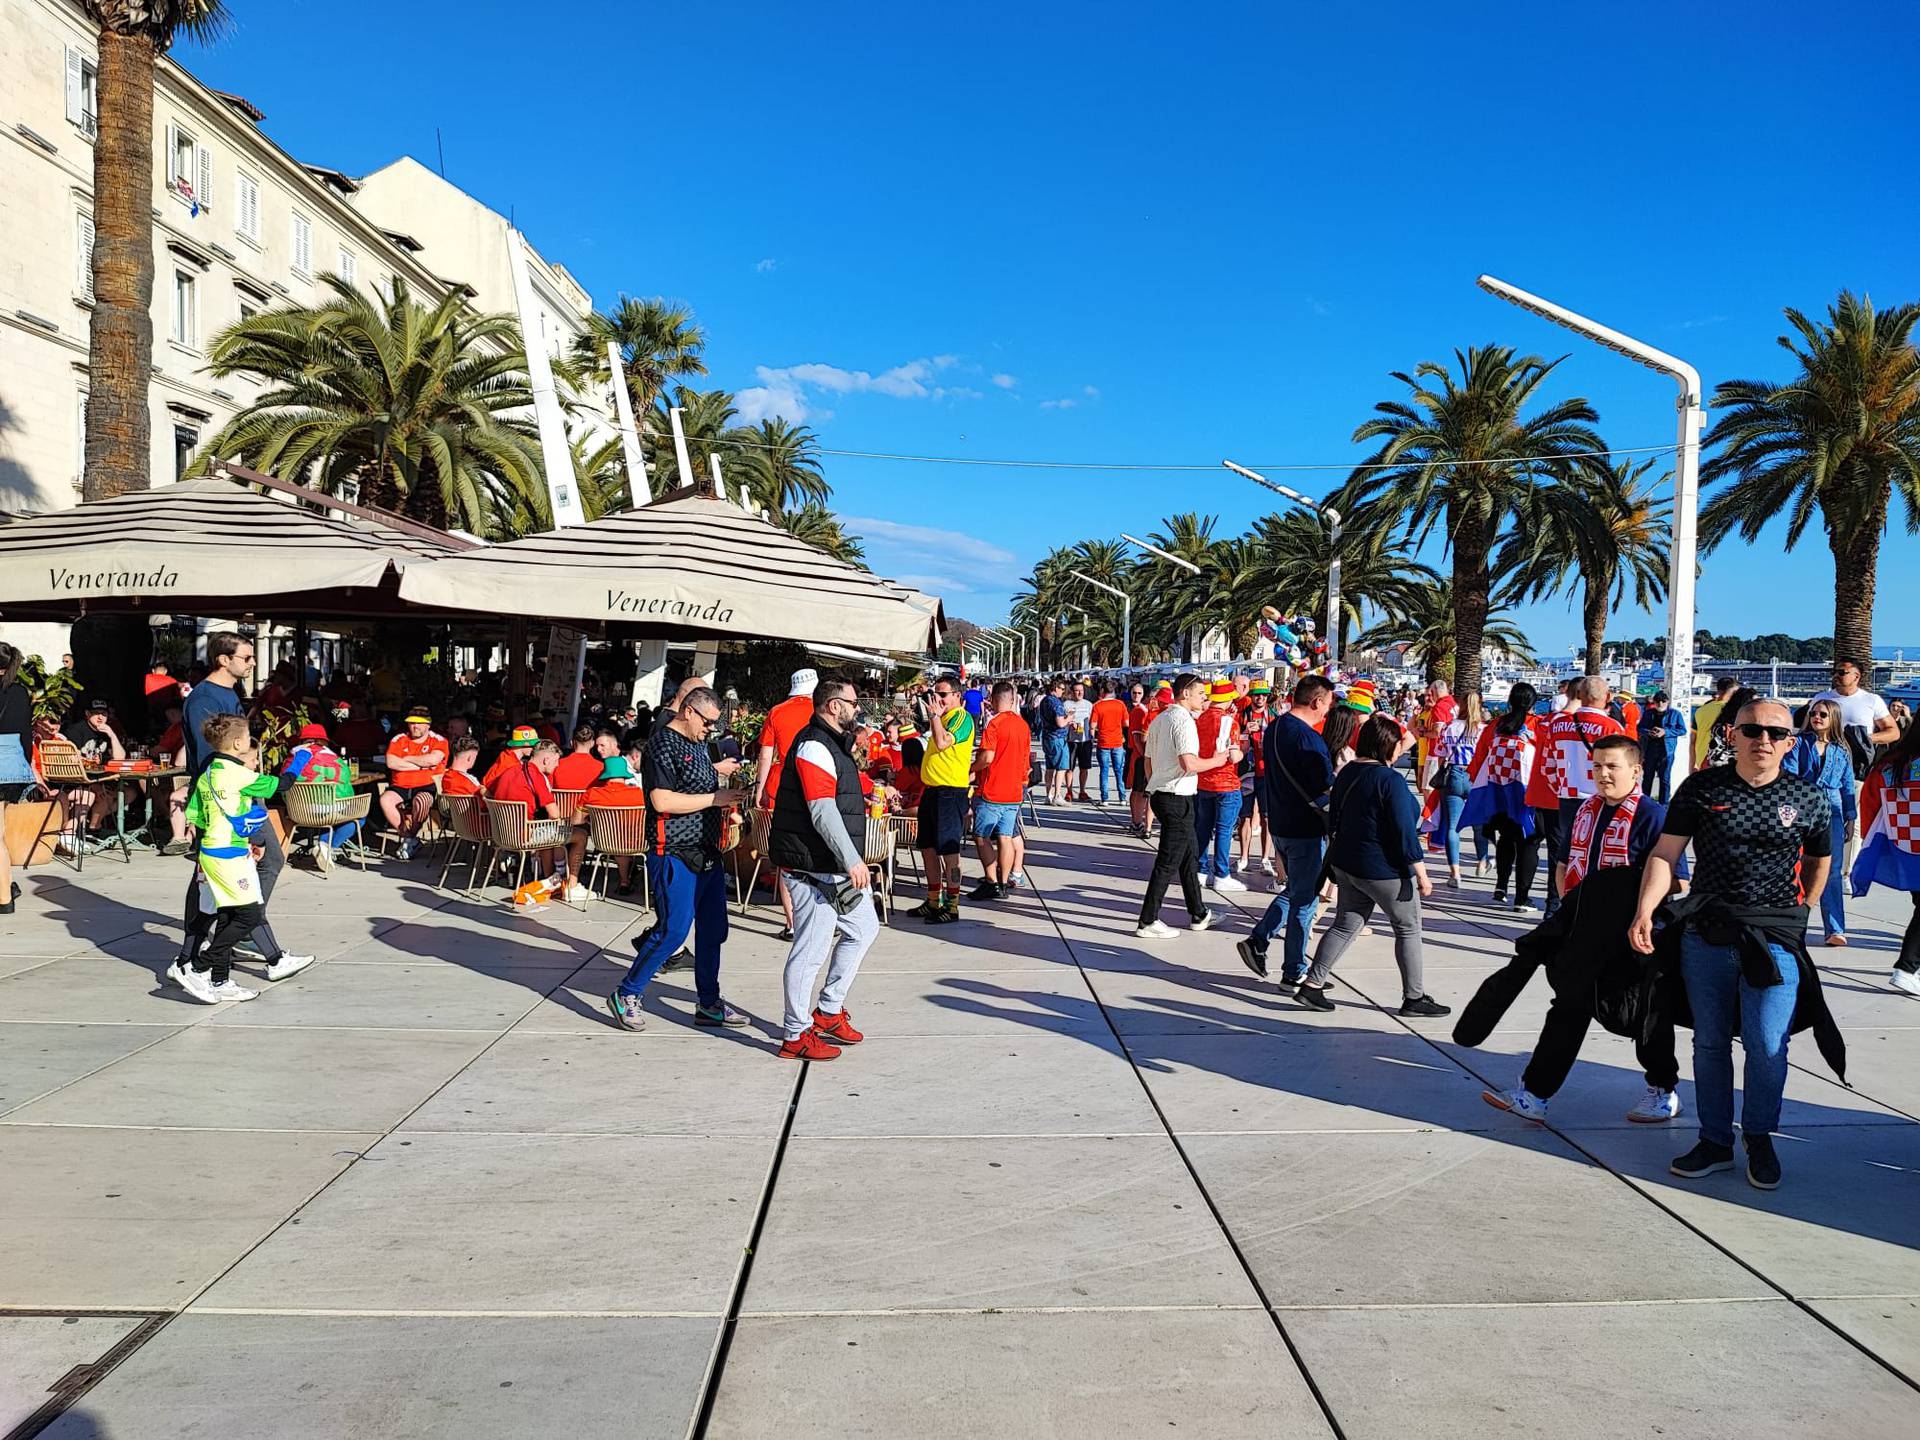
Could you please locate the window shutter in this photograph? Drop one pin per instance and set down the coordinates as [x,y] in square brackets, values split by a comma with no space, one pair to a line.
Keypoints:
[203,183]
[173,155]
[74,111]
[86,256]
[346,265]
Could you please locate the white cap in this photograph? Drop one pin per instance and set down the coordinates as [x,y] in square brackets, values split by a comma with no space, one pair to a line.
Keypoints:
[804,682]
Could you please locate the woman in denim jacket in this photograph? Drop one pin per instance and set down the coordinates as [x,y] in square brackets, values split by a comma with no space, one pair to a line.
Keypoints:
[1820,755]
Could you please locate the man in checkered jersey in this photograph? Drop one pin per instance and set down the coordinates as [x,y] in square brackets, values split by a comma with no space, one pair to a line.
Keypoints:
[1761,845]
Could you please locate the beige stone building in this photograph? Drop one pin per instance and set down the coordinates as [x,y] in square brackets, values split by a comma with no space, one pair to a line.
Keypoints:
[239,226]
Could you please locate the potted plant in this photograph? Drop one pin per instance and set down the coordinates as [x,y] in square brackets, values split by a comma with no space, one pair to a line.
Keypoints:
[279,732]
[34,824]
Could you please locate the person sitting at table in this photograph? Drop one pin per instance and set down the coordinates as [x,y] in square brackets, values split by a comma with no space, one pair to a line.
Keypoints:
[415,759]
[357,734]
[311,759]
[170,753]
[577,772]
[530,781]
[459,778]
[617,789]
[94,736]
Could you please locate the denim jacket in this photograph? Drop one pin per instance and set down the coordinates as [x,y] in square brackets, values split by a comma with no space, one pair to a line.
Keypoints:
[1833,773]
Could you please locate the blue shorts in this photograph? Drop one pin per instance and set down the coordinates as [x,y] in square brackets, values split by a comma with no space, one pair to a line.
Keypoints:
[993,820]
[1059,752]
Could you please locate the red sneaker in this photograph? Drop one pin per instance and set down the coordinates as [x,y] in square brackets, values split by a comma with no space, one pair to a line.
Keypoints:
[837,1028]
[809,1046]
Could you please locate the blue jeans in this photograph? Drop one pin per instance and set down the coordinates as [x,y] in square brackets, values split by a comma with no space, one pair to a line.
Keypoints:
[1292,909]
[1719,996]
[341,834]
[1833,903]
[1113,757]
[680,898]
[1215,814]
[1451,807]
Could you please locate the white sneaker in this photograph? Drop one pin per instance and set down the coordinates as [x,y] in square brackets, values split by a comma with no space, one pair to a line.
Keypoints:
[1158,930]
[1016,879]
[231,989]
[1519,1101]
[1227,882]
[1906,980]
[171,975]
[1205,922]
[1240,865]
[288,965]
[199,984]
[1266,865]
[323,856]
[1655,1106]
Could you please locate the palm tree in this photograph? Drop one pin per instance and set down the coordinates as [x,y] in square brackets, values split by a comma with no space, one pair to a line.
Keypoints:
[707,417]
[820,528]
[426,412]
[1429,629]
[1294,554]
[1459,453]
[779,462]
[1608,532]
[658,342]
[133,35]
[1180,604]
[1841,436]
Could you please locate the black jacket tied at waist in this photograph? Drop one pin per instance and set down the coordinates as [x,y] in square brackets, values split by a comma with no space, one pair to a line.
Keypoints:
[1753,930]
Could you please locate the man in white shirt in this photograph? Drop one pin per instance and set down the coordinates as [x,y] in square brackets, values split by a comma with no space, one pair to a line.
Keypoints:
[1080,736]
[1175,763]
[1864,717]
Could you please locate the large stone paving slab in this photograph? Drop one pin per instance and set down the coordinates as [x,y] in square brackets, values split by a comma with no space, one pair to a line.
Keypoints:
[35,1059]
[517,1224]
[1706,1372]
[616,1083]
[969,1224]
[110,1219]
[416,997]
[36,1351]
[1021,1084]
[94,992]
[1218,1373]
[1191,1001]
[1842,1222]
[448,1378]
[1397,1218]
[1889,1327]
[251,1077]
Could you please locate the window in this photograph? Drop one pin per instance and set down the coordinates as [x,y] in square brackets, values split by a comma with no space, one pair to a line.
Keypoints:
[186,308]
[302,244]
[247,308]
[185,439]
[347,265]
[189,169]
[80,446]
[83,260]
[246,217]
[83,92]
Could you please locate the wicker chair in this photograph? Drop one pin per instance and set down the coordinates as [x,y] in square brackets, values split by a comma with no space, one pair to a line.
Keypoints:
[762,831]
[64,771]
[513,833]
[617,832]
[468,824]
[569,803]
[314,805]
[878,853]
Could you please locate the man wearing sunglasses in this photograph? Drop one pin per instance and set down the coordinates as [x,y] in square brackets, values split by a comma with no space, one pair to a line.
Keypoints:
[1761,845]
[945,771]
[686,810]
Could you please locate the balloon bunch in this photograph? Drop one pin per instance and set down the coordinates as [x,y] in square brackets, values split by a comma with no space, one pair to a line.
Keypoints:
[1293,639]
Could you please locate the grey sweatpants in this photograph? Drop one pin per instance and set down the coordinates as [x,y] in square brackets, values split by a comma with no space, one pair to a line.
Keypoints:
[1358,896]
[822,936]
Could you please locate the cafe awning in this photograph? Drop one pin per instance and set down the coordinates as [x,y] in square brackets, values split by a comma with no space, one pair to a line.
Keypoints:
[205,547]
[682,567]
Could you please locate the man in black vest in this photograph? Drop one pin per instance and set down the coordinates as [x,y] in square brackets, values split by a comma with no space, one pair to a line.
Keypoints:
[819,820]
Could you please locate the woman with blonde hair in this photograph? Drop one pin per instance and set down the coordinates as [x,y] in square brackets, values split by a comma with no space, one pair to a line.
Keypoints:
[1821,755]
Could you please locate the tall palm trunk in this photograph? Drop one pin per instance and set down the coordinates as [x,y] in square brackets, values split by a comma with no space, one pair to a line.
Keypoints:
[120,341]
[1593,618]
[1471,582]
[1856,578]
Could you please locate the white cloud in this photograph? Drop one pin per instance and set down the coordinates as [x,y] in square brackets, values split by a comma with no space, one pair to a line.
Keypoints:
[936,584]
[1066,404]
[778,401]
[921,544]
[1070,402]
[766,266]
[790,390]
[1005,382]
[1090,392]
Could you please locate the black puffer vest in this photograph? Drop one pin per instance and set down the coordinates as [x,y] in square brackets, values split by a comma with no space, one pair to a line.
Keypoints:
[792,841]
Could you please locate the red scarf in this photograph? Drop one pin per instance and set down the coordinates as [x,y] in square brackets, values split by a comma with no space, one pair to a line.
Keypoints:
[1614,852]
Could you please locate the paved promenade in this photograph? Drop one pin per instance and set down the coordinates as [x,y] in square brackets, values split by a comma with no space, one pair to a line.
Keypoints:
[1073,1185]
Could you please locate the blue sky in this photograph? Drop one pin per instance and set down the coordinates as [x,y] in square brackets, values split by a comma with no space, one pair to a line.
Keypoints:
[1128,234]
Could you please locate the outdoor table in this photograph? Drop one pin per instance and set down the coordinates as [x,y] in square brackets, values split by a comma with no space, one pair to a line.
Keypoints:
[118,780]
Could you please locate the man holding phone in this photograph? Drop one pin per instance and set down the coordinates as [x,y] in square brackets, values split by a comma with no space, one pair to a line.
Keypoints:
[687,803]
[819,821]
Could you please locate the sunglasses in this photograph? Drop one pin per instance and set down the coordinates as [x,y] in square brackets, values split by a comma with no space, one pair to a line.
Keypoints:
[1778,734]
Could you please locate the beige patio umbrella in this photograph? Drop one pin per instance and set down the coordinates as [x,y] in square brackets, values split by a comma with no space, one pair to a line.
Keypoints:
[692,565]
[202,546]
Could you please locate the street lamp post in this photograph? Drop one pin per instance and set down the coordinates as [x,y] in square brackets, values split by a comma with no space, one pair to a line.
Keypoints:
[1686,484]
[1126,615]
[1083,639]
[1172,559]
[1333,545]
[1016,641]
